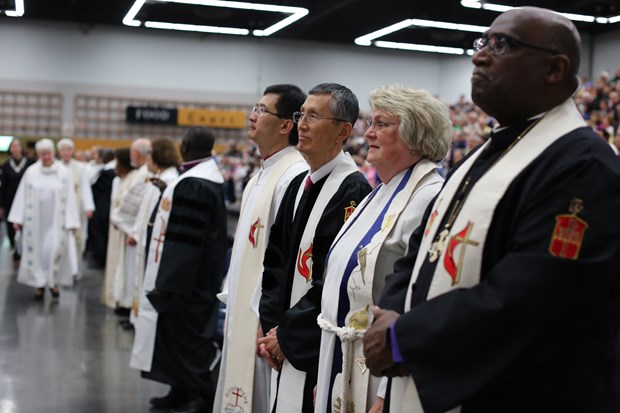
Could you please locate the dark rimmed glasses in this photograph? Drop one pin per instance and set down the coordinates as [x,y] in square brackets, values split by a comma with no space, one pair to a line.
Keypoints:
[499,44]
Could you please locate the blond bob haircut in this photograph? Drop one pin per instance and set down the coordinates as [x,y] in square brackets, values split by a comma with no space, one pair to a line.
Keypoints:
[425,127]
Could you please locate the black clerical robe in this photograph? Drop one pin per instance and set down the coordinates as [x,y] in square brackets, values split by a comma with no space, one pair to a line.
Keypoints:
[299,335]
[10,176]
[189,276]
[98,225]
[539,333]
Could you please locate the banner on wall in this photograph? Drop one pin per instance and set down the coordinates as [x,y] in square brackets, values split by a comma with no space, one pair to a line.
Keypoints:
[228,119]
[152,115]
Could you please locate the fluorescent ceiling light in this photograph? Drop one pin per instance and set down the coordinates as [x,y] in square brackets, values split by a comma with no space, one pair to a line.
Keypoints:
[296,13]
[367,39]
[476,4]
[196,28]
[420,47]
[19,9]
[614,19]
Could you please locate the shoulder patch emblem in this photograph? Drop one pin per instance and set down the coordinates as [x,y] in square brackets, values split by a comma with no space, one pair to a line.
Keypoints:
[348,211]
[568,233]
[165,204]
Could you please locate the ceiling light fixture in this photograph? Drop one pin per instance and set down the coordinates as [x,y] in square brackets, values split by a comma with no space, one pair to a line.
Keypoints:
[367,39]
[19,9]
[296,13]
[420,47]
[196,28]
[476,4]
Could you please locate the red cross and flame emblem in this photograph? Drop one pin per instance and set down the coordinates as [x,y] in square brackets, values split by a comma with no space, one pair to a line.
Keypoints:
[303,267]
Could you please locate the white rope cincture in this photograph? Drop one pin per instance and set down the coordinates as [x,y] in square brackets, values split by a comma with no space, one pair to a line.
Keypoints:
[347,336]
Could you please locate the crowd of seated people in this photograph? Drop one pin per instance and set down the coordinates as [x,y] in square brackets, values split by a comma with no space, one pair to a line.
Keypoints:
[598,100]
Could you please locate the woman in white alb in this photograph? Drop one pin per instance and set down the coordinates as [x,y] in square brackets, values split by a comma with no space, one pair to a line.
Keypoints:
[408,132]
[44,212]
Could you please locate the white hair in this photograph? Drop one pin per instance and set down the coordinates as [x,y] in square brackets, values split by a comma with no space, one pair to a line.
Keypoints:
[65,142]
[44,145]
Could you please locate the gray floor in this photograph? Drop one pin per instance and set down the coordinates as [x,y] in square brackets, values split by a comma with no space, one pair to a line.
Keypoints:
[70,356]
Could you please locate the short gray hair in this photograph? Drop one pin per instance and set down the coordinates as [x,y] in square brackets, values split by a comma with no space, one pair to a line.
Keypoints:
[44,145]
[344,104]
[65,142]
[425,127]
[142,145]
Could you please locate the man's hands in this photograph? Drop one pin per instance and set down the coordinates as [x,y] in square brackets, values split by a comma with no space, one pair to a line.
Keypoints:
[376,349]
[270,349]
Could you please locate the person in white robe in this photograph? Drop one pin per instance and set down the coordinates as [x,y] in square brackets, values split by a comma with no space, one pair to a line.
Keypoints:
[115,257]
[162,165]
[272,128]
[44,212]
[80,174]
[123,217]
[408,133]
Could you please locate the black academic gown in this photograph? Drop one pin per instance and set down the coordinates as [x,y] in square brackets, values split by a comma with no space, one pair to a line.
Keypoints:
[9,181]
[539,333]
[99,224]
[190,274]
[299,335]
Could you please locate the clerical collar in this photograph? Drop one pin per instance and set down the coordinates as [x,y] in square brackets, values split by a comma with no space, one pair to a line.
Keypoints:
[186,166]
[273,159]
[503,136]
[500,128]
[326,169]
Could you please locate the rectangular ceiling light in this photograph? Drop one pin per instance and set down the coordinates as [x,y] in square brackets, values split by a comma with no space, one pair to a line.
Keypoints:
[296,13]
[368,39]
[476,4]
[19,9]
[420,47]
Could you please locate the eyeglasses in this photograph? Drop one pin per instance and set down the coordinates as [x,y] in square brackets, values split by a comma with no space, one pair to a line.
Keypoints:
[311,118]
[499,44]
[378,125]
[261,110]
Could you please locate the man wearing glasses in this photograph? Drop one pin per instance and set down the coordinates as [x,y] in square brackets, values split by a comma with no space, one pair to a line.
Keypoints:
[511,287]
[272,128]
[313,209]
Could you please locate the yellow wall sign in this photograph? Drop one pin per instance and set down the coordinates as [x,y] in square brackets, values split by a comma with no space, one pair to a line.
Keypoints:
[212,118]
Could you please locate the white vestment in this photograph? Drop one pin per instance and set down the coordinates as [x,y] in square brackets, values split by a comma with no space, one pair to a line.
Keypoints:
[123,216]
[80,175]
[115,258]
[147,205]
[46,208]
[396,208]
[261,201]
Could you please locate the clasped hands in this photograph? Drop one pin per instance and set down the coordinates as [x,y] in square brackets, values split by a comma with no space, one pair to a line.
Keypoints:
[268,348]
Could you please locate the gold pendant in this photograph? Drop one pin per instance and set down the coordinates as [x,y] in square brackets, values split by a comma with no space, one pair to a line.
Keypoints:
[438,246]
